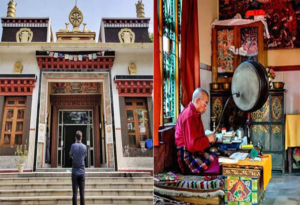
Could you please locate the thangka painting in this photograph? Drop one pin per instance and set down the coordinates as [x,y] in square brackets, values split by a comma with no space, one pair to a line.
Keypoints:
[225,56]
[75,87]
[241,190]
[249,43]
[283,18]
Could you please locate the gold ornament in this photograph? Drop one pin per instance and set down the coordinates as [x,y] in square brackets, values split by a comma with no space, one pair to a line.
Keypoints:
[18,68]
[76,18]
[24,35]
[132,69]
[126,35]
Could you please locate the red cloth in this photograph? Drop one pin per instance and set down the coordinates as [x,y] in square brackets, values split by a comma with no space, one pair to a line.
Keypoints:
[190,131]
[157,73]
[190,58]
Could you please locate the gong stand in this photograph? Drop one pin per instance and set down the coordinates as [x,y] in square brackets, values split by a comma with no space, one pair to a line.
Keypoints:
[237,95]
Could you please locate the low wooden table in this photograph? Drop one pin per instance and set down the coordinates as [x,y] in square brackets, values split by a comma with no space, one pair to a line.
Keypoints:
[246,181]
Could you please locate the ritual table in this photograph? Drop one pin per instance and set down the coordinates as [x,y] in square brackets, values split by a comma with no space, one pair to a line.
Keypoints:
[246,181]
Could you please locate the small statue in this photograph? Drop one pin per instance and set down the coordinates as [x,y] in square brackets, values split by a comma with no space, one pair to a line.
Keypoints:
[260,147]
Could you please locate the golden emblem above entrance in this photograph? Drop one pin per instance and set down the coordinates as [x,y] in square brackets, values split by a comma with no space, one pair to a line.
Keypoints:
[24,35]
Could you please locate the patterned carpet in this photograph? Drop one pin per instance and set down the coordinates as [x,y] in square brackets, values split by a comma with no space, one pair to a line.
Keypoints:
[191,186]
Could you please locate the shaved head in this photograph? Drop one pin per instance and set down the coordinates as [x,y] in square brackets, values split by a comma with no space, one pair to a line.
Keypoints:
[199,93]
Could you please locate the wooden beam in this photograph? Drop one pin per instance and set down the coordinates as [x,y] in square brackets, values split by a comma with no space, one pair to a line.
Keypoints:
[54,137]
[286,68]
[96,137]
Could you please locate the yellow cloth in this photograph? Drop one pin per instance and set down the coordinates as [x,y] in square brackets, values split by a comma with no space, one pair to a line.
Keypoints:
[266,163]
[292,131]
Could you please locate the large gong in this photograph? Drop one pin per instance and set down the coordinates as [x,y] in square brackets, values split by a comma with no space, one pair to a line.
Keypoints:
[249,87]
[250,81]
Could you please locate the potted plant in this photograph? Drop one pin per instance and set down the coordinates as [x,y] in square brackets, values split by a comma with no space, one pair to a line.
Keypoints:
[271,75]
[22,153]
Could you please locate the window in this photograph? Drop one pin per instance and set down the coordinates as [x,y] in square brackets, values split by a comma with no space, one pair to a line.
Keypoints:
[137,122]
[13,122]
[171,58]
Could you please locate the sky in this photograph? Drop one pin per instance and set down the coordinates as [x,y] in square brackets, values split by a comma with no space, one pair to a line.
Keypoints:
[93,11]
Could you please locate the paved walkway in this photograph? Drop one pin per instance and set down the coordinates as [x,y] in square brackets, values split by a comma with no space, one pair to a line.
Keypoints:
[283,190]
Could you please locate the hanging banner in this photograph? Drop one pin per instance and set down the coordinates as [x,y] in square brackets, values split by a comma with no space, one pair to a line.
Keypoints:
[41,134]
[108,134]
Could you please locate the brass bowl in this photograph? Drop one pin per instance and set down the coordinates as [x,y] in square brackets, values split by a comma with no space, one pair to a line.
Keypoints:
[215,86]
[226,86]
[278,85]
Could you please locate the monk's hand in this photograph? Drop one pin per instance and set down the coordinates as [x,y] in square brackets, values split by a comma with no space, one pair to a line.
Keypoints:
[211,138]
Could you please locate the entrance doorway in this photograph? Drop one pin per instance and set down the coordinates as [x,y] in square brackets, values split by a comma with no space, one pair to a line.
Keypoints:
[69,139]
[69,122]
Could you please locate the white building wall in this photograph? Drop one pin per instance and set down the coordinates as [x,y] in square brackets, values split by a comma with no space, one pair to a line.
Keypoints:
[292,93]
[29,67]
[144,63]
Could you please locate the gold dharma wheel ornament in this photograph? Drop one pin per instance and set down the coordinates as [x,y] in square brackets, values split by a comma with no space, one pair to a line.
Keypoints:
[76,18]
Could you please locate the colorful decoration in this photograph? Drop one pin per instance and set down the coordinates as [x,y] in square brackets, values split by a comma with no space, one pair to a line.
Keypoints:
[217,107]
[282,18]
[260,129]
[242,190]
[261,115]
[276,106]
[249,43]
[225,56]
[75,87]
[296,156]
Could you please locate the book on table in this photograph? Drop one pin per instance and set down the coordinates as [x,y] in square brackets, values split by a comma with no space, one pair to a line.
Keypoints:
[239,156]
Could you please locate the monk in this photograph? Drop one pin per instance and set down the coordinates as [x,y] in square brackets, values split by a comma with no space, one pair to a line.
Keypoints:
[190,138]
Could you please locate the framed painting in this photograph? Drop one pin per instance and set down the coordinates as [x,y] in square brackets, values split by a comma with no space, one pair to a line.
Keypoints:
[282,16]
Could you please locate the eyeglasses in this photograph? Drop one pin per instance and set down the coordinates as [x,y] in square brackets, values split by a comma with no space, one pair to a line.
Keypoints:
[203,102]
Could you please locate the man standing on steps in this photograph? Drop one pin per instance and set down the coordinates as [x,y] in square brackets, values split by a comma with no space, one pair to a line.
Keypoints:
[78,153]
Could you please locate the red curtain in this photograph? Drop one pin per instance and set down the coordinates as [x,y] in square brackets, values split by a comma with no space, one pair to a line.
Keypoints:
[157,74]
[190,58]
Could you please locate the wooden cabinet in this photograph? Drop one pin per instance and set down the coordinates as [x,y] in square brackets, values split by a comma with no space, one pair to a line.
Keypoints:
[268,126]
[248,38]
[233,117]
[267,123]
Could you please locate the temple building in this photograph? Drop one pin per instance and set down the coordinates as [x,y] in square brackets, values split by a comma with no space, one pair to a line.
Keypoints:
[50,89]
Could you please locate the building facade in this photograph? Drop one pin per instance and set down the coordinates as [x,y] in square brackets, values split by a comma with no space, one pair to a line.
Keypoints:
[49,90]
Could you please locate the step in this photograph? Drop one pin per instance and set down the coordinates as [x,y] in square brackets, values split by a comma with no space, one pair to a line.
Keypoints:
[67,174]
[68,185]
[70,170]
[68,179]
[68,192]
[66,200]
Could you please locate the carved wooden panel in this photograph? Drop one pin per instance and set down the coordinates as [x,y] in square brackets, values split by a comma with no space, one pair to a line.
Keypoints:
[262,133]
[276,108]
[75,100]
[263,114]
[17,86]
[276,136]
[101,62]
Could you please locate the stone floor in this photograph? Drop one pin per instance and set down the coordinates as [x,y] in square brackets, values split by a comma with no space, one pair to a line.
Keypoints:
[283,190]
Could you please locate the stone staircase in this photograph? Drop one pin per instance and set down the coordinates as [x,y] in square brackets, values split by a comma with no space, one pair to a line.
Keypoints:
[56,188]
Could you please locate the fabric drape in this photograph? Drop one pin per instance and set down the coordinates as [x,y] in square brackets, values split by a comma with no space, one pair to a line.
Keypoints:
[190,58]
